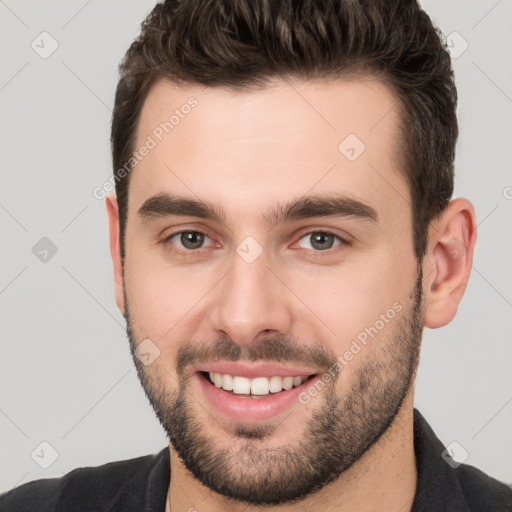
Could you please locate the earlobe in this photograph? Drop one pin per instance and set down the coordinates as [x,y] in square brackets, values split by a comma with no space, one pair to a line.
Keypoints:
[115,249]
[448,262]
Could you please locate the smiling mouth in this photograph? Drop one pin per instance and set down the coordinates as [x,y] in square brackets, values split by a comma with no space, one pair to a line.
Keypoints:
[258,387]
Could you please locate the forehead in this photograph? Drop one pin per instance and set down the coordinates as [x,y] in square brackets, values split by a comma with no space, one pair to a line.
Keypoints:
[248,149]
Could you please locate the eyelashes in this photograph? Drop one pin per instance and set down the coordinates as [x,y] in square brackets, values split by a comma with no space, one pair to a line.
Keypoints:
[189,240]
[196,232]
[333,236]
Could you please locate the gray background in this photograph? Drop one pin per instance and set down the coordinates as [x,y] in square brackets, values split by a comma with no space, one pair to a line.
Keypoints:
[66,374]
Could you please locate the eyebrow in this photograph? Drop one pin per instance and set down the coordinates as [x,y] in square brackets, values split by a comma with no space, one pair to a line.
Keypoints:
[332,205]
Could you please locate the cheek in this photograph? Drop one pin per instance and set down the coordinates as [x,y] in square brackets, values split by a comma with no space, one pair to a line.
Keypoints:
[163,297]
[349,300]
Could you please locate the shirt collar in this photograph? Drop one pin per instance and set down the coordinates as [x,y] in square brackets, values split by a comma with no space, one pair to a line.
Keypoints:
[437,486]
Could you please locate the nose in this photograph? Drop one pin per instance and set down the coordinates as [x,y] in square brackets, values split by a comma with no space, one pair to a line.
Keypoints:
[251,301]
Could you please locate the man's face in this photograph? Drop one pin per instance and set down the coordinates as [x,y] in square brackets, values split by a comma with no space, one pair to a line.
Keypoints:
[317,290]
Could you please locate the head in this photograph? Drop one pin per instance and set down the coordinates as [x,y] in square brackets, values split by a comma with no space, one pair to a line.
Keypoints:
[292,206]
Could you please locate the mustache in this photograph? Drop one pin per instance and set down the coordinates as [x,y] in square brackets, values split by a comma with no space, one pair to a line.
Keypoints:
[277,349]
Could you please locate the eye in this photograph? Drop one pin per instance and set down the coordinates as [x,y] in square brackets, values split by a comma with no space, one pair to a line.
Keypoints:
[320,241]
[188,240]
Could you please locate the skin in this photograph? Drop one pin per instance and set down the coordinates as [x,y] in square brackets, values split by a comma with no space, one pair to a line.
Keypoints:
[246,152]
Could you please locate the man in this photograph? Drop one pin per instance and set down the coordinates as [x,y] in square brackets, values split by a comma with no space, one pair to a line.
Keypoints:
[281,233]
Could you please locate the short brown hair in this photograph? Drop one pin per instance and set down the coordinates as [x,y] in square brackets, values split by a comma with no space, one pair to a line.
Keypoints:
[241,44]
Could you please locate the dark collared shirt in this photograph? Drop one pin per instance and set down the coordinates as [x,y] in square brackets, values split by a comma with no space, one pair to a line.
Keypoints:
[140,485]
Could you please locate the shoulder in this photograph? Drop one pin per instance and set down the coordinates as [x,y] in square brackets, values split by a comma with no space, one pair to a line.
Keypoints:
[444,484]
[483,492]
[84,488]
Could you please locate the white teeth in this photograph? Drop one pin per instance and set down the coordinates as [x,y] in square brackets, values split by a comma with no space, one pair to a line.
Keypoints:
[256,386]
[288,382]
[297,381]
[227,382]
[276,384]
[241,385]
[217,379]
[259,386]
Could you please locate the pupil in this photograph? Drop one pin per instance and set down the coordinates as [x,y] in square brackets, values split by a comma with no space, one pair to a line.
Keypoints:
[192,240]
[322,241]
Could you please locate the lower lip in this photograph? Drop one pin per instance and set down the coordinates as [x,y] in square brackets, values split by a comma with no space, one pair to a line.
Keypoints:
[248,409]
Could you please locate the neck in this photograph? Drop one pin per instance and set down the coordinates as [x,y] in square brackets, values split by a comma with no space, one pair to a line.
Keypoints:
[384,478]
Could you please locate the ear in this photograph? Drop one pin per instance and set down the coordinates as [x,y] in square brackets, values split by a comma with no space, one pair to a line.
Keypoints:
[115,249]
[448,261]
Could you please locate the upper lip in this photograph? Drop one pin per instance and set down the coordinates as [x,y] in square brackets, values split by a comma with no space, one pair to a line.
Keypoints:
[255,369]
